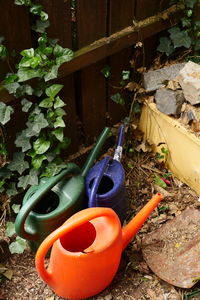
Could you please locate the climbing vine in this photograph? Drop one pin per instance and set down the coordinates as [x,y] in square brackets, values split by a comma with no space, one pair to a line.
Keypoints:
[42,138]
[186,35]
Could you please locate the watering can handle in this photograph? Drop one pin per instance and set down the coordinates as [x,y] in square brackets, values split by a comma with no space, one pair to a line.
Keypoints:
[73,222]
[34,199]
[97,180]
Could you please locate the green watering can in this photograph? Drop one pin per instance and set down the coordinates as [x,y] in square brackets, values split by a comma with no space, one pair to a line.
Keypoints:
[46,206]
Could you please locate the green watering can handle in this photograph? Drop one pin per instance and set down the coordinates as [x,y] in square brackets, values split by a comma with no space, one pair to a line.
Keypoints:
[35,198]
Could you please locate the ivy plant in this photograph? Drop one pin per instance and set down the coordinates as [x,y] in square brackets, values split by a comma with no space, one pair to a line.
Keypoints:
[32,84]
[186,34]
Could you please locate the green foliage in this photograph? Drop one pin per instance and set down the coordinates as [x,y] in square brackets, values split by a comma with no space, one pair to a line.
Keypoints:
[42,139]
[117,98]
[185,35]
[18,246]
[160,182]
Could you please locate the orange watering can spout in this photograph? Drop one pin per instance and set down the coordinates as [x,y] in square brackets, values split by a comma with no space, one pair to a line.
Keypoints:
[130,230]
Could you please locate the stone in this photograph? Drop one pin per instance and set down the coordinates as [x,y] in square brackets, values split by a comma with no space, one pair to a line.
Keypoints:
[153,79]
[108,297]
[169,102]
[189,80]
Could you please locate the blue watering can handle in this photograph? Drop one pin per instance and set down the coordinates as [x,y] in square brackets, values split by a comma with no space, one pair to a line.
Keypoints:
[120,140]
[35,198]
[97,180]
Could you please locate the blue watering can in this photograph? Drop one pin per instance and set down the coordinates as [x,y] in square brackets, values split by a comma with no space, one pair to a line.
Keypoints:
[105,182]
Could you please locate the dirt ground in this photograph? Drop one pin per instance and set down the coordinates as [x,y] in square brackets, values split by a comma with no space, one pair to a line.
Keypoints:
[134,280]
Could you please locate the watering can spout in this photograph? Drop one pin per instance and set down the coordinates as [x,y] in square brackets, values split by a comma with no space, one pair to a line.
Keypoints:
[130,230]
[95,151]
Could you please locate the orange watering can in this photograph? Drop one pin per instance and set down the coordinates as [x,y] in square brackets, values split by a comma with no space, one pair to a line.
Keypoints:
[87,250]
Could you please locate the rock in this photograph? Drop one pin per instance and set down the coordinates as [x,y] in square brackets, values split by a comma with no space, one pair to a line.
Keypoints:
[108,297]
[169,102]
[153,79]
[189,79]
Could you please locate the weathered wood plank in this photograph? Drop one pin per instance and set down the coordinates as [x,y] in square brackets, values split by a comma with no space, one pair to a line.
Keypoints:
[91,25]
[148,8]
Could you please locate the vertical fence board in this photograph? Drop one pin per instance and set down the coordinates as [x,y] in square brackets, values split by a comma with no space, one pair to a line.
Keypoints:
[60,20]
[91,25]
[121,15]
[147,8]
[15,27]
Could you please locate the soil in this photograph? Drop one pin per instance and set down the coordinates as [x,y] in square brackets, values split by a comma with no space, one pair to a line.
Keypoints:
[134,280]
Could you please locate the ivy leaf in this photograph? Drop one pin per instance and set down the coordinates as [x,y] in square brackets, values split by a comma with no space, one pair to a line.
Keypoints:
[28,53]
[12,87]
[59,122]
[117,98]
[35,127]
[63,52]
[165,46]
[41,145]
[179,37]
[41,26]
[23,141]
[59,134]
[16,208]
[18,246]
[3,52]
[106,71]
[5,113]
[30,179]
[53,90]
[125,75]
[23,2]
[10,78]
[37,161]
[53,169]
[60,112]
[18,163]
[44,16]
[26,105]
[12,191]
[36,9]
[52,74]
[46,103]
[58,102]
[30,62]
[10,229]
[25,74]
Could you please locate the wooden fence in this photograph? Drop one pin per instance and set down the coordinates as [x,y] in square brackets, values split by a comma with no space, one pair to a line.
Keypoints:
[105,34]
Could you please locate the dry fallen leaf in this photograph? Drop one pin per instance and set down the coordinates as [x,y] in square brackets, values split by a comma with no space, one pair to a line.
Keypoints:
[50,298]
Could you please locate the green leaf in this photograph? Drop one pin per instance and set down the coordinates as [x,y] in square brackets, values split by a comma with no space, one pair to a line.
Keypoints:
[44,16]
[59,134]
[37,161]
[53,169]
[35,127]
[10,229]
[60,112]
[117,98]
[28,53]
[53,90]
[23,141]
[65,58]
[11,190]
[59,122]
[165,46]
[46,103]
[190,3]
[23,2]
[30,62]
[106,71]
[26,105]
[41,145]
[3,52]
[36,9]
[10,78]
[52,74]
[30,179]
[18,246]
[12,87]
[25,74]
[5,113]
[125,75]
[58,102]
[16,208]
[179,37]
[18,163]
[41,26]
[160,182]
